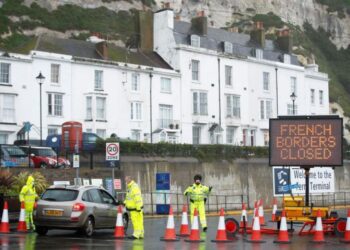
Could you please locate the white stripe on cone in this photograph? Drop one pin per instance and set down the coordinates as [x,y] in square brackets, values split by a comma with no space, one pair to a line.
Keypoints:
[184,220]
[221,223]
[244,213]
[274,209]
[261,210]
[347,224]
[195,223]
[22,215]
[256,225]
[283,226]
[319,224]
[170,224]
[119,220]
[5,216]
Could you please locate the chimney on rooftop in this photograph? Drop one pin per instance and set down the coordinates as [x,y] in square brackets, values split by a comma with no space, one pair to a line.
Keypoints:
[258,34]
[199,24]
[284,40]
[102,49]
[144,27]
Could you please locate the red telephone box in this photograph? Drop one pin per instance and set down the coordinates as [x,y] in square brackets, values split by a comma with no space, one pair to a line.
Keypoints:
[72,136]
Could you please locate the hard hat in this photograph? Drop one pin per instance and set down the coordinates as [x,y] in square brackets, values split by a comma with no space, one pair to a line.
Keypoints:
[197,177]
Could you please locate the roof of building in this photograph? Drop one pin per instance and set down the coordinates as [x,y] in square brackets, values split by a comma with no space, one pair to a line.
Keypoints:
[83,49]
[242,43]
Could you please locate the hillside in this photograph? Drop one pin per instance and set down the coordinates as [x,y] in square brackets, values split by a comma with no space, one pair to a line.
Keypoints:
[321,28]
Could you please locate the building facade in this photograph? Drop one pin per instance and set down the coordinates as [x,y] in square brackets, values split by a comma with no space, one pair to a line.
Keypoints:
[129,97]
[233,83]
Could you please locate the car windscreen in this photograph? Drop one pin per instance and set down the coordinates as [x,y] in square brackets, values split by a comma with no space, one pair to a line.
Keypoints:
[44,152]
[60,195]
[14,151]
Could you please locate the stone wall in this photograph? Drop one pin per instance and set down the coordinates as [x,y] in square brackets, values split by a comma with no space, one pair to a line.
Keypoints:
[249,177]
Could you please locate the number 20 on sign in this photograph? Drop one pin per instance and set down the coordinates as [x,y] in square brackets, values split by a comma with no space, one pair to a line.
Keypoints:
[112,151]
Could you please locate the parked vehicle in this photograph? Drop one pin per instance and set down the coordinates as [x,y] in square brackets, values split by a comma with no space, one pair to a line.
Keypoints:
[13,156]
[88,143]
[44,157]
[82,208]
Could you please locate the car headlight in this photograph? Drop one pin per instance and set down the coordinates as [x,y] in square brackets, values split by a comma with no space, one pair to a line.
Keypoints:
[52,162]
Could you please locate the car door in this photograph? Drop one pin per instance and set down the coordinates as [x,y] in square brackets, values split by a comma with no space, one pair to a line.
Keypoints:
[99,208]
[111,211]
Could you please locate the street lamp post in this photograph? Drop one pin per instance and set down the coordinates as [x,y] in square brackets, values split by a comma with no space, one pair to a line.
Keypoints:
[40,79]
[293,97]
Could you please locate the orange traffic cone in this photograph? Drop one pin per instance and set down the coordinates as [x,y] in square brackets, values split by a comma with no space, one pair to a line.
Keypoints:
[22,227]
[256,233]
[170,234]
[221,232]
[194,236]
[5,226]
[119,226]
[283,233]
[261,213]
[347,230]
[274,209]
[318,235]
[243,215]
[184,229]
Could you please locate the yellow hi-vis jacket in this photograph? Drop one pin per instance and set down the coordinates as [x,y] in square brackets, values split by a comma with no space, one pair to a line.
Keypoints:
[28,194]
[133,200]
[197,192]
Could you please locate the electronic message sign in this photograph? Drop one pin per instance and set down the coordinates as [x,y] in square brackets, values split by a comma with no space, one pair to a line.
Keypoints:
[306,141]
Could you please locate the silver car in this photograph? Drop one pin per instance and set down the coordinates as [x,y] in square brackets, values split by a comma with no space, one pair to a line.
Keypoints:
[82,208]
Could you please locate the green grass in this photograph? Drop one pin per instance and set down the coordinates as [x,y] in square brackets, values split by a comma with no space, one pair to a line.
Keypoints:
[339,6]
[269,20]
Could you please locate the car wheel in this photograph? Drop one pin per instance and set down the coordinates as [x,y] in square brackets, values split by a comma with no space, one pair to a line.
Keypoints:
[43,165]
[89,227]
[41,230]
[125,221]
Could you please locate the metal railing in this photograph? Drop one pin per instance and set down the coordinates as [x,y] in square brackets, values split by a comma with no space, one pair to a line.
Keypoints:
[213,204]
[329,199]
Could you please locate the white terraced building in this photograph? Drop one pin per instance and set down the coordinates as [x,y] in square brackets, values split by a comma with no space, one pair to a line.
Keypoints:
[108,89]
[187,83]
[232,83]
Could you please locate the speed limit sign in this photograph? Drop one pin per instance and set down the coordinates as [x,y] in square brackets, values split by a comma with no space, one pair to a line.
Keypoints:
[112,151]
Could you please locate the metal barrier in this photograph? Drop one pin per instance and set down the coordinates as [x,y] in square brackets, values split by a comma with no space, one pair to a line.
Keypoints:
[213,204]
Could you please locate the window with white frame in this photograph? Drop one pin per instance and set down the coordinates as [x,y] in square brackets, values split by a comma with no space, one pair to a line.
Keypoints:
[101,133]
[165,85]
[195,70]
[88,108]
[98,79]
[266,81]
[136,111]
[228,48]
[101,108]
[55,73]
[165,115]
[321,97]
[5,73]
[135,82]
[228,75]
[312,96]
[200,103]
[286,58]
[230,133]
[265,109]
[55,104]
[7,108]
[293,85]
[290,109]
[136,135]
[52,130]
[259,53]
[3,138]
[196,135]
[233,106]
[195,41]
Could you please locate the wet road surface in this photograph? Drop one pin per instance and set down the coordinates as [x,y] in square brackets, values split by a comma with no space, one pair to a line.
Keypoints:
[154,229]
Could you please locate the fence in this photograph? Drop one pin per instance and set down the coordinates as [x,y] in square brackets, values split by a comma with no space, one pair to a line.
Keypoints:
[213,204]
[230,202]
